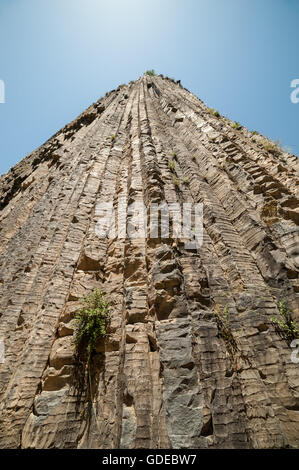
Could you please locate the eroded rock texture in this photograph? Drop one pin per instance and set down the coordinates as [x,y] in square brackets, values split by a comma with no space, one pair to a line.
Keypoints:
[165,375]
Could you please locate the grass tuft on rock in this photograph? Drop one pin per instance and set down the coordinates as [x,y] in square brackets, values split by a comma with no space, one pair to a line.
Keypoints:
[236,125]
[171,165]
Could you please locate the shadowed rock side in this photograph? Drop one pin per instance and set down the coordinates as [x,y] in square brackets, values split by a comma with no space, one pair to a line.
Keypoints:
[166,377]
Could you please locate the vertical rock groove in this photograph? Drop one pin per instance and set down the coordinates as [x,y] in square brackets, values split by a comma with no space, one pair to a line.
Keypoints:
[165,376]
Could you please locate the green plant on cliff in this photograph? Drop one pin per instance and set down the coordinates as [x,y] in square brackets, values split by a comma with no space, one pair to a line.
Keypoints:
[176,182]
[113,137]
[91,322]
[90,326]
[171,165]
[150,72]
[287,327]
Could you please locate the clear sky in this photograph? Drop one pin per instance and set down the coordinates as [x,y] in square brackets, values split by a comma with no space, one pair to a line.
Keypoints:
[59,56]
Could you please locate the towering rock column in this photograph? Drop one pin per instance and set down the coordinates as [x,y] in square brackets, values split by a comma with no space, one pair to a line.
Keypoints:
[167,374]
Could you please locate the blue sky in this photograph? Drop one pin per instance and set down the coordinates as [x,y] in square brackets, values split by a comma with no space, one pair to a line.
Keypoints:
[59,56]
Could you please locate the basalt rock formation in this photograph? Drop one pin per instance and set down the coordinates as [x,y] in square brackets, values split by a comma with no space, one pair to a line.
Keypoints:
[167,376]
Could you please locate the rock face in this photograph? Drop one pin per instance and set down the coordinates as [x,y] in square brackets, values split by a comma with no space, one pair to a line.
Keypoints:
[166,374]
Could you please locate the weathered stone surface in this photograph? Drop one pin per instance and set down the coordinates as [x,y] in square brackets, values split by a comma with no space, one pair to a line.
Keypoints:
[165,376]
